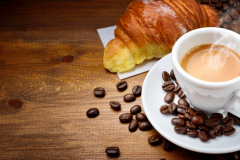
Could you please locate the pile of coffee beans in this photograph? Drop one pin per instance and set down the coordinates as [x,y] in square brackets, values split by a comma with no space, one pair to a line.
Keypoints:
[191,122]
[229,10]
[157,139]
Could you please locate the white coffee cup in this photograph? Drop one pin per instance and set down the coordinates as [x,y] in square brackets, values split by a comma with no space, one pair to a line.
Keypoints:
[209,97]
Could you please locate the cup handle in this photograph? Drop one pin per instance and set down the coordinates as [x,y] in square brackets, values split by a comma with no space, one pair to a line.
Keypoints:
[231,105]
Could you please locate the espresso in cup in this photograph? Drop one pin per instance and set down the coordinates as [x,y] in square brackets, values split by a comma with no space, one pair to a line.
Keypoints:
[211,62]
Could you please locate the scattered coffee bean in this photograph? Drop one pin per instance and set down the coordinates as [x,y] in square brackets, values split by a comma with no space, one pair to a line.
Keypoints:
[178,122]
[99,92]
[112,151]
[228,121]
[227,19]
[172,75]
[219,5]
[177,89]
[203,128]
[181,94]
[137,90]
[164,109]
[115,105]
[237,120]
[218,130]
[216,115]
[231,115]
[169,97]
[166,144]
[225,7]
[183,102]
[197,120]
[141,117]
[203,136]
[180,130]
[220,12]
[135,109]
[181,109]
[93,112]
[190,125]
[165,76]
[232,3]
[211,134]
[168,86]
[211,122]
[133,125]
[129,97]
[122,85]
[192,133]
[154,140]
[125,117]
[172,108]
[145,126]
[182,116]
[189,113]
[234,14]
[227,131]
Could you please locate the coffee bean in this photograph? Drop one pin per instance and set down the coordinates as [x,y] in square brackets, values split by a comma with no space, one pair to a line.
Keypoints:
[218,130]
[216,115]
[232,3]
[154,140]
[166,144]
[203,136]
[188,116]
[112,151]
[211,122]
[15,103]
[177,89]
[182,116]
[145,126]
[129,97]
[219,5]
[135,109]
[133,125]
[180,130]
[231,115]
[141,117]
[172,75]
[181,94]
[99,92]
[203,116]
[137,90]
[168,86]
[165,76]
[122,85]
[220,12]
[228,121]
[211,134]
[226,7]
[93,112]
[197,120]
[125,117]
[214,1]
[115,105]
[189,113]
[189,125]
[192,133]
[181,109]
[176,81]
[237,120]
[183,102]
[227,131]
[204,1]
[178,122]
[164,109]
[203,128]
[200,113]
[172,108]
[234,14]
[169,97]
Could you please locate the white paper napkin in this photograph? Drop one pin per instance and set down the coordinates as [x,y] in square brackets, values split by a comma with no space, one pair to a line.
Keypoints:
[106,34]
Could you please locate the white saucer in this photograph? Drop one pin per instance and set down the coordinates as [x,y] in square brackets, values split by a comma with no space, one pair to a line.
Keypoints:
[152,99]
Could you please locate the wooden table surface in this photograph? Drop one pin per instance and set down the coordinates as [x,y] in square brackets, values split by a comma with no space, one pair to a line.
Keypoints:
[52,123]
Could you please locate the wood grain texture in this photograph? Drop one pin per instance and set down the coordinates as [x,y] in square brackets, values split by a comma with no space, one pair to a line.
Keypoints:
[52,123]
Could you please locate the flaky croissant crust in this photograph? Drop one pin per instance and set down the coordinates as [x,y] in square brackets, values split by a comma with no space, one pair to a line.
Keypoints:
[150,28]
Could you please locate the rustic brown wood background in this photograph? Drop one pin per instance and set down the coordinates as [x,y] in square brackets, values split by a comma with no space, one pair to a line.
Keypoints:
[52,124]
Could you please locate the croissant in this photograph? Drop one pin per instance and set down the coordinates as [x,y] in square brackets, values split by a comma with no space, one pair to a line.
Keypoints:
[149,28]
